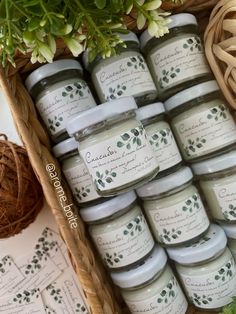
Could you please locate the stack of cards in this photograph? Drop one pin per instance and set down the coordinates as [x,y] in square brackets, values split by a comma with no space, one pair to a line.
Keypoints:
[41,281]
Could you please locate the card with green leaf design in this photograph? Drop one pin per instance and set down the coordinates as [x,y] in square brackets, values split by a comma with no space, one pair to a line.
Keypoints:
[10,275]
[64,296]
[22,303]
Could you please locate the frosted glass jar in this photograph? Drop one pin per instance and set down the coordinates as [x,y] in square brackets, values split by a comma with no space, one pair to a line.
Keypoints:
[124,74]
[60,93]
[75,171]
[201,121]
[174,208]
[151,287]
[114,146]
[176,60]
[160,137]
[207,270]
[119,230]
[230,231]
[217,179]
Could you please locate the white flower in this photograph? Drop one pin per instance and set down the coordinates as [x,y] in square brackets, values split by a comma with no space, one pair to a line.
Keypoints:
[152,28]
[46,52]
[152,5]
[74,45]
[141,20]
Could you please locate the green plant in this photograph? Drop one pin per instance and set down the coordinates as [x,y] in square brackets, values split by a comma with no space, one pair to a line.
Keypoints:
[34,26]
[231,308]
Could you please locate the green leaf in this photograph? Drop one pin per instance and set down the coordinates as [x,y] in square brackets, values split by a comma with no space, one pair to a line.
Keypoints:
[125,136]
[120,144]
[100,4]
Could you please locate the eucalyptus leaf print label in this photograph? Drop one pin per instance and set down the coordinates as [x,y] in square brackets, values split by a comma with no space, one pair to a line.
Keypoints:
[226,198]
[170,300]
[61,104]
[178,61]
[165,148]
[81,183]
[120,159]
[180,222]
[206,131]
[126,77]
[212,290]
[125,245]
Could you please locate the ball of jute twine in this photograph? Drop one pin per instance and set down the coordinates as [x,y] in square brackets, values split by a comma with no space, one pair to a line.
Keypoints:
[220,44]
[21,196]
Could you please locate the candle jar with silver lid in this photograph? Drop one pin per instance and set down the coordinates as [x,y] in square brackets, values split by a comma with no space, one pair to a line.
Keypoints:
[207,270]
[114,146]
[123,74]
[75,171]
[60,92]
[201,121]
[176,60]
[160,137]
[119,230]
[174,208]
[151,286]
[230,231]
[217,179]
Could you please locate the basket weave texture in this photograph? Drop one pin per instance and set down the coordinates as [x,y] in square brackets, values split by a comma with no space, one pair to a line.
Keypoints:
[96,285]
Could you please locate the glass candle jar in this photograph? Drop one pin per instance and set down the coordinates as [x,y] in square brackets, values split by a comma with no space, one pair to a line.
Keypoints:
[119,230]
[176,60]
[75,171]
[174,208]
[60,93]
[207,270]
[230,231]
[217,179]
[160,136]
[124,74]
[151,287]
[114,146]
[201,121]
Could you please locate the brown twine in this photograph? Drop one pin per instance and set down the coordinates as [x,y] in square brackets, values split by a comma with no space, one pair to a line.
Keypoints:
[21,196]
[220,45]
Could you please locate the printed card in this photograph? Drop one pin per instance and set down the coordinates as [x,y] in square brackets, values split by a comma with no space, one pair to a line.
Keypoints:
[10,275]
[51,242]
[39,272]
[63,295]
[28,302]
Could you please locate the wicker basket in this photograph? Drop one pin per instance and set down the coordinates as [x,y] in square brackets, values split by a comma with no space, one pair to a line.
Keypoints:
[97,287]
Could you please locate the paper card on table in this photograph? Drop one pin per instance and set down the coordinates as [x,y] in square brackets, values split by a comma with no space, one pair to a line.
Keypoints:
[64,296]
[39,271]
[10,275]
[50,242]
[28,302]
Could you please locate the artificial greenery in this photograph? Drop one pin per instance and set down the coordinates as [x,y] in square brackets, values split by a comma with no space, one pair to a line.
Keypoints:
[35,25]
[230,309]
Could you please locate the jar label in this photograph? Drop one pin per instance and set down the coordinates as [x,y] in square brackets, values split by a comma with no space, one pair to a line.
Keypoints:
[206,131]
[126,245]
[165,148]
[120,159]
[180,222]
[170,300]
[212,290]
[226,197]
[60,105]
[81,183]
[128,76]
[179,61]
